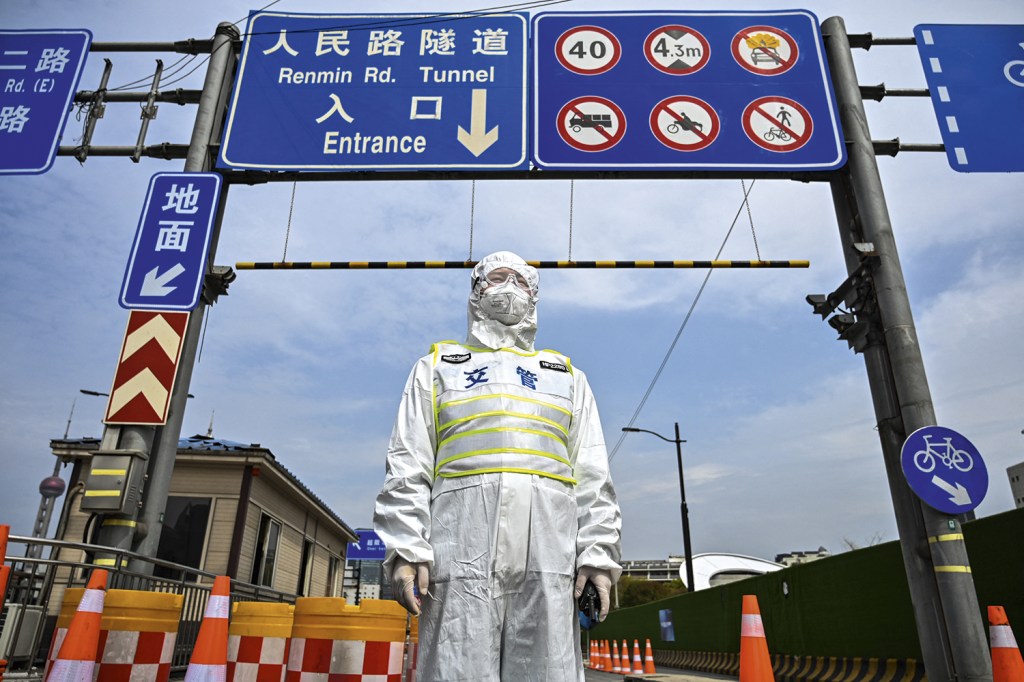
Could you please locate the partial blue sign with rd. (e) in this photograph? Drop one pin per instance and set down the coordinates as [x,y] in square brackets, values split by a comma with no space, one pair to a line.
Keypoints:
[168,258]
[379,92]
[39,73]
[944,469]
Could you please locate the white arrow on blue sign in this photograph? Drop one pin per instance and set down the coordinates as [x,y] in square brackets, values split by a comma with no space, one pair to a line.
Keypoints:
[168,259]
[322,92]
[369,548]
[944,469]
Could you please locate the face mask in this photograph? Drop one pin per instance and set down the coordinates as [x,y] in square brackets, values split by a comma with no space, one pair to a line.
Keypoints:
[505,303]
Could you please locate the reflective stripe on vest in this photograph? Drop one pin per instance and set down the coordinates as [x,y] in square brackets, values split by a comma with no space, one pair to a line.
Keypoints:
[499,426]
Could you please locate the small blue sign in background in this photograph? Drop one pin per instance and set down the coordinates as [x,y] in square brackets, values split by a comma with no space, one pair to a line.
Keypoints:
[944,469]
[39,73]
[379,92]
[369,548]
[168,258]
[573,66]
[975,76]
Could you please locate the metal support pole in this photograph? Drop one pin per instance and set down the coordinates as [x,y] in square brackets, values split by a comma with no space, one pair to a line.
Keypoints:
[946,610]
[205,133]
[684,512]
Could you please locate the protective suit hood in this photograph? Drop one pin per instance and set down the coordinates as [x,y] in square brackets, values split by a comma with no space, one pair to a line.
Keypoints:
[491,333]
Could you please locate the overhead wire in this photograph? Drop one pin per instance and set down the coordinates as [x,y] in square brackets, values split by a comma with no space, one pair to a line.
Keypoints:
[682,326]
[390,22]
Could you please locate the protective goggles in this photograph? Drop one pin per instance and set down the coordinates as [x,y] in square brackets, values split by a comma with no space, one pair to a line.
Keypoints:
[499,276]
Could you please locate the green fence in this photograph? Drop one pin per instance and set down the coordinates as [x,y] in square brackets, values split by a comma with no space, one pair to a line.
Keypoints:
[852,605]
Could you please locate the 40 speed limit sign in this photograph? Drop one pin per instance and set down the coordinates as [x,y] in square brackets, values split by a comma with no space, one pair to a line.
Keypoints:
[588,50]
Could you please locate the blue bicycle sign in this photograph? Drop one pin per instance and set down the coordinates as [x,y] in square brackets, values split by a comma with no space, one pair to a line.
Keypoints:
[944,469]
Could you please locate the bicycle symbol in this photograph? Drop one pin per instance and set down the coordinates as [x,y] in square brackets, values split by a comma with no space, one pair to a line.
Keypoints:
[925,460]
[1018,77]
[779,133]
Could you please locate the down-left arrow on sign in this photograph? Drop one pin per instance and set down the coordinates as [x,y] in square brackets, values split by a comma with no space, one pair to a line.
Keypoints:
[155,284]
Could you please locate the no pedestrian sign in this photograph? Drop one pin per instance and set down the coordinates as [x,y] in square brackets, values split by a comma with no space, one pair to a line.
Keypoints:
[379,92]
[667,90]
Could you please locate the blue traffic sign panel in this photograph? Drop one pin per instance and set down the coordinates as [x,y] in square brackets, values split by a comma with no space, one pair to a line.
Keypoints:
[369,548]
[379,92]
[168,258]
[944,469]
[975,76]
[665,90]
[39,73]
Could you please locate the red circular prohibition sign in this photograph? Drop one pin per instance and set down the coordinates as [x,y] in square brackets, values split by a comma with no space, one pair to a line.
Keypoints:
[590,118]
[609,63]
[774,132]
[675,128]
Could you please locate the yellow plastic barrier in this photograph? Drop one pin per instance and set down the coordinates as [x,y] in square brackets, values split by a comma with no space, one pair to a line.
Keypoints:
[332,637]
[138,630]
[258,638]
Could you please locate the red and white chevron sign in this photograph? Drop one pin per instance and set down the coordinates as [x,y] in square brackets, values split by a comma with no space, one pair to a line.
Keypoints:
[145,372]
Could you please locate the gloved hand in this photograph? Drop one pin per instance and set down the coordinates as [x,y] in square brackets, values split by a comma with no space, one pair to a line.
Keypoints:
[403,577]
[602,580]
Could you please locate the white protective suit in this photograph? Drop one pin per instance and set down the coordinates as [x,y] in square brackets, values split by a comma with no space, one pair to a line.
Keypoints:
[498,481]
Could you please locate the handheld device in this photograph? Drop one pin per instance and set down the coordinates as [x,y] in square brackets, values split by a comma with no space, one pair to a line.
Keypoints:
[590,606]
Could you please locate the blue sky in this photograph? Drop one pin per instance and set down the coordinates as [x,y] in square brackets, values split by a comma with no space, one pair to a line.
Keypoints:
[781,454]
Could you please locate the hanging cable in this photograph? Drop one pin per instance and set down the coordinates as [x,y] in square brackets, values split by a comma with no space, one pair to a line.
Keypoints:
[750,217]
[572,190]
[288,230]
[472,215]
[686,319]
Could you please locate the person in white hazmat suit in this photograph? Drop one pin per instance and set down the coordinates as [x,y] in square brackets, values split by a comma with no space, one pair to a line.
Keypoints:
[498,504]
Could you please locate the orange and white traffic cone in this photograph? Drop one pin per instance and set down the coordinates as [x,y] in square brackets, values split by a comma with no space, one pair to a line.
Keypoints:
[649,660]
[638,664]
[1007,665]
[616,665]
[5,570]
[606,659]
[624,660]
[209,662]
[76,659]
[755,663]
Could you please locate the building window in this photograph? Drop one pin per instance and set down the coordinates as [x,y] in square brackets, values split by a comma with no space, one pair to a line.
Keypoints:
[266,552]
[183,534]
[333,564]
[305,568]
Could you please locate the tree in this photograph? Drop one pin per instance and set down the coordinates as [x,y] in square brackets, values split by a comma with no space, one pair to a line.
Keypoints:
[636,591]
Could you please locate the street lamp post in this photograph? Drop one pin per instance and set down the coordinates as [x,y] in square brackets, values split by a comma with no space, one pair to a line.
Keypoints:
[683,511]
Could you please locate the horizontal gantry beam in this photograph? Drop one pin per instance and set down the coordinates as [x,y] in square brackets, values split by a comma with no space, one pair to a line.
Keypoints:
[567,264]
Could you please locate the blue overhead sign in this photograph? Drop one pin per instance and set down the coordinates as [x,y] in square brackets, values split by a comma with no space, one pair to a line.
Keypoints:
[975,76]
[168,259]
[944,469]
[379,92]
[369,548]
[666,90]
[39,73]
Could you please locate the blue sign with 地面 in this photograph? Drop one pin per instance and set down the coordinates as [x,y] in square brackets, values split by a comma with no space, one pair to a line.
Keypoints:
[369,548]
[39,73]
[944,469]
[975,76]
[379,92]
[668,90]
[168,258]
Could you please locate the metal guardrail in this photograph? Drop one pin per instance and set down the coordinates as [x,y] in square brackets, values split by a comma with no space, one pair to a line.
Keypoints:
[29,618]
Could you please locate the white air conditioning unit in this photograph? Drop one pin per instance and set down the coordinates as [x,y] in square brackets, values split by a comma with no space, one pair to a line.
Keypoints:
[26,619]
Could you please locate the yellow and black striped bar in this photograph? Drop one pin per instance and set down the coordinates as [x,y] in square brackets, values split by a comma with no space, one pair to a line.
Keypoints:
[542,264]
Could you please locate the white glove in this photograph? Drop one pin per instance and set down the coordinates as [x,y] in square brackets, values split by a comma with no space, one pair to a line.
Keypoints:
[602,580]
[403,577]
